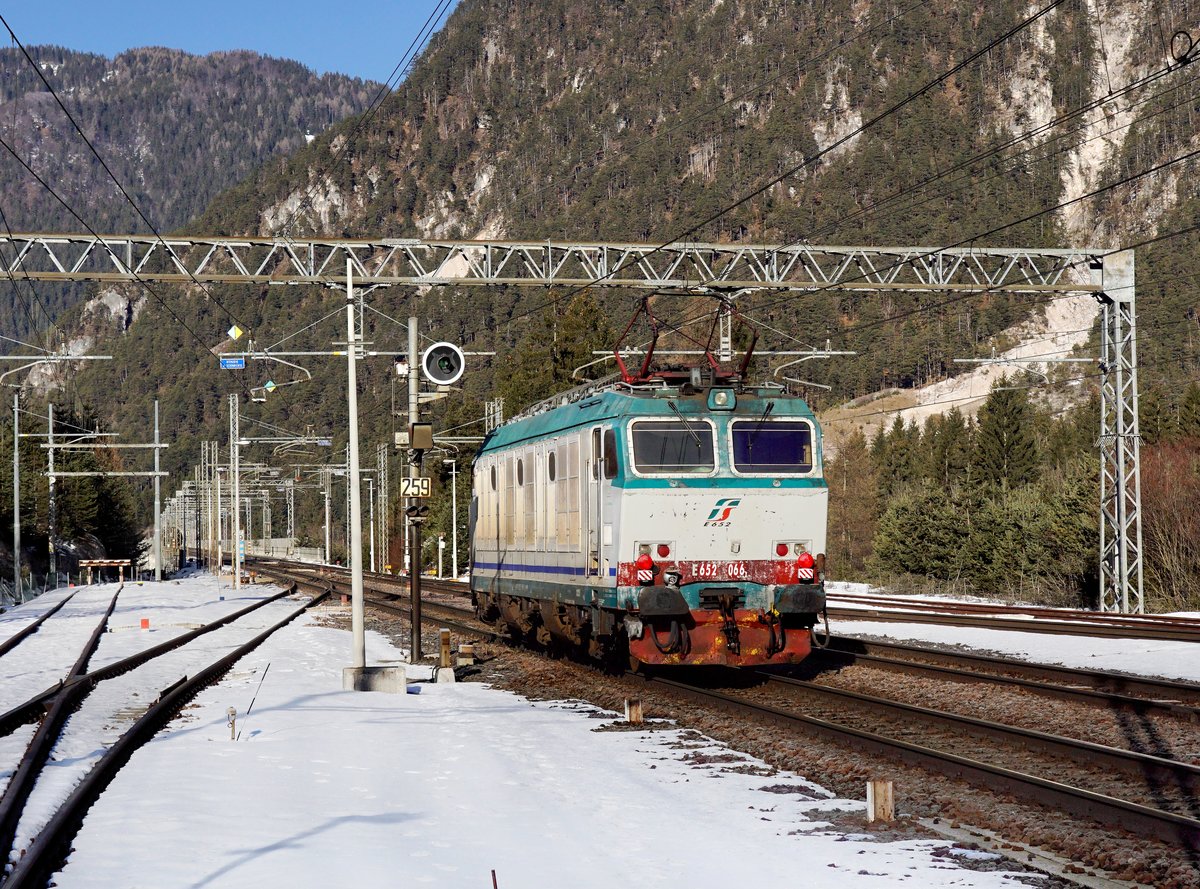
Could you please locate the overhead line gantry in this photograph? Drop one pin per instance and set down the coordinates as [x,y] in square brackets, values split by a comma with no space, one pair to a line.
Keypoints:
[392,261]
[690,267]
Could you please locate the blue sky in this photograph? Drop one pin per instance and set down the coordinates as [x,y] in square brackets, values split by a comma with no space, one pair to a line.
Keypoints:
[363,38]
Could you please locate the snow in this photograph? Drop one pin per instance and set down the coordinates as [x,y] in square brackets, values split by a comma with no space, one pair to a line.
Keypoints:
[322,787]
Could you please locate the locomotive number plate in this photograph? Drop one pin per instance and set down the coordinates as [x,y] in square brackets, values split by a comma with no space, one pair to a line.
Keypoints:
[415,487]
[721,570]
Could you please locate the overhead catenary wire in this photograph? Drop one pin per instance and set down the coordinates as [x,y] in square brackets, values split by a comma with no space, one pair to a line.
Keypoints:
[32,292]
[1169,68]
[4,144]
[753,90]
[111,175]
[283,231]
[1125,180]
[1014,162]
[1124,90]
[384,91]
[833,146]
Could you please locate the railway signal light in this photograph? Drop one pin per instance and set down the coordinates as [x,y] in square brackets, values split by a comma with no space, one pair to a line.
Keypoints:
[443,363]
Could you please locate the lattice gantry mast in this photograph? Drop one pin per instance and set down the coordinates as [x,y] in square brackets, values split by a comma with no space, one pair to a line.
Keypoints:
[1120,441]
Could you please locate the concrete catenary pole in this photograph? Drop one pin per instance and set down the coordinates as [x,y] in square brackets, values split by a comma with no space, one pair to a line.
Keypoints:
[157,502]
[17,597]
[52,518]
[357,613]
[326,482]
[414,471]
[454,517]
[235,494]
[371,501]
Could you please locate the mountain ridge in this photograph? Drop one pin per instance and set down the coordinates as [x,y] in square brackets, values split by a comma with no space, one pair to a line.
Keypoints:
[650,120]
[175,128]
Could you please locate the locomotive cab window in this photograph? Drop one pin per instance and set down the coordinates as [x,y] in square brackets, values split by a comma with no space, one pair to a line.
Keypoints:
[610,454]
[673,447]
[772,447]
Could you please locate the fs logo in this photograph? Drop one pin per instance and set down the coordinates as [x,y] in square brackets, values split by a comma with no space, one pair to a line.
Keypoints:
[719,517]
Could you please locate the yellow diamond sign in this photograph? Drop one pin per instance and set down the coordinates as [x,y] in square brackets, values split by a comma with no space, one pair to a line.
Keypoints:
[235,332]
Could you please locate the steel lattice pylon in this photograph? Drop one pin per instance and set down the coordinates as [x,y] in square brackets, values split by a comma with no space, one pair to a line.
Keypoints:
[1120,442]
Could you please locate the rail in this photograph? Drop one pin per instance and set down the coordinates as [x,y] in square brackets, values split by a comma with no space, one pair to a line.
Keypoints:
[1142,820]
[52,845]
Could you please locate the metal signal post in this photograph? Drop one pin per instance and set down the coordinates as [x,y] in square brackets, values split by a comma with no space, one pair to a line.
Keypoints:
[416,518]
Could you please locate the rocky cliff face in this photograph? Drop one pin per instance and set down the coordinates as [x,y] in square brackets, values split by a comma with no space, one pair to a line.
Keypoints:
[642,120]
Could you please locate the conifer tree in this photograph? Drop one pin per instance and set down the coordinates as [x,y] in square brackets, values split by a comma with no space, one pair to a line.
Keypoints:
[1189,412]
[948,442]
[897,456]
[853,499]
[1006,451]
[1154,420]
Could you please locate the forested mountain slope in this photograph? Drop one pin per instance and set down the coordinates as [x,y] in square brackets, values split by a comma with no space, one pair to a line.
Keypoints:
[176,129]
[654,120]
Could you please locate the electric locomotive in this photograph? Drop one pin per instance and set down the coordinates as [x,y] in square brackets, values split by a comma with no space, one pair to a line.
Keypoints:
[676,516]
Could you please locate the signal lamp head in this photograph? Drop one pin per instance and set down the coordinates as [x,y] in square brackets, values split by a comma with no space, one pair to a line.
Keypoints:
[443,363]
[644,562]
[663,550]
[805,560]
[781,549]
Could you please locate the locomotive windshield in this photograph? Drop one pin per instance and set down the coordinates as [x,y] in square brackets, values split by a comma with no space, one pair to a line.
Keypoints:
[673,446]
[772,446]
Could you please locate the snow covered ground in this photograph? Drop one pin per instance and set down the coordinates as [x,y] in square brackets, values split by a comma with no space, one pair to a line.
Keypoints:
[321,787]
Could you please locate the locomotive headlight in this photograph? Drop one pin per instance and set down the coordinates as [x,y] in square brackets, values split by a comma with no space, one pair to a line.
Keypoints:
[721,400]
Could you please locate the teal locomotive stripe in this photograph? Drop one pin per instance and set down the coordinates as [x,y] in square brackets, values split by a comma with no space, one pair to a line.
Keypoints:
[686,483]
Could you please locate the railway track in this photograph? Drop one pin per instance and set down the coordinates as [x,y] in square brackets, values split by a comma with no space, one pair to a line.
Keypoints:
[386,592]
[1140,694]
[1146,820]
[1146,793]
[148,706]
[16,638]
[862,607]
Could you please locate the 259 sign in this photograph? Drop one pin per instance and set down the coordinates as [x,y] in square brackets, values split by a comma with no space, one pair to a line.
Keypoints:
[414,487]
